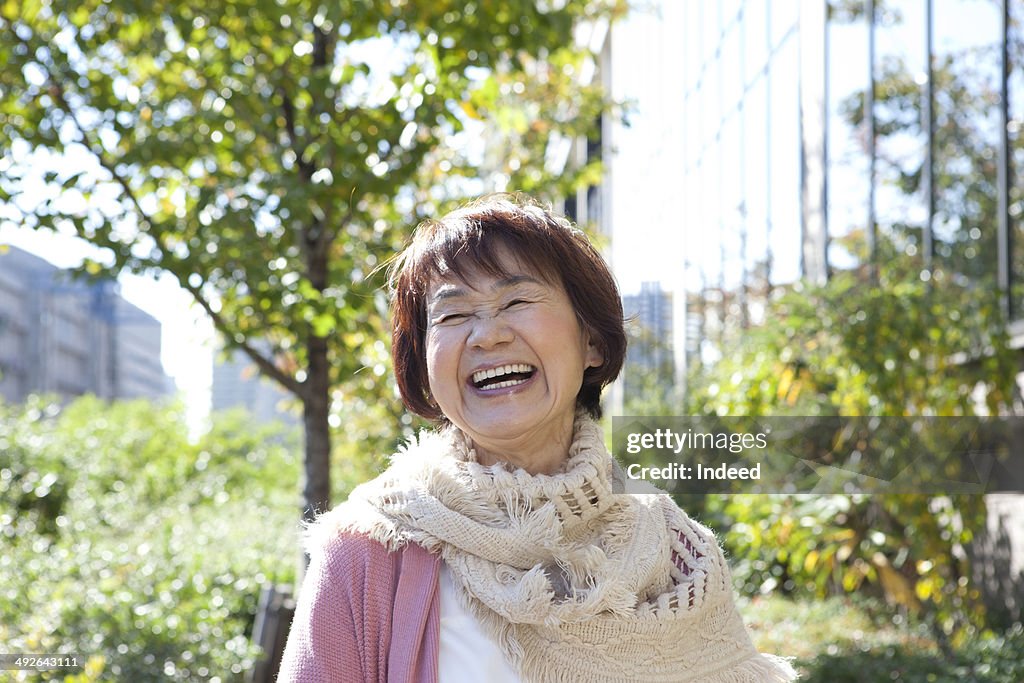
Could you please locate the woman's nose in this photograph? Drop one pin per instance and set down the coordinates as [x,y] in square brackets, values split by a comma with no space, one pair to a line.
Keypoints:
[489,331]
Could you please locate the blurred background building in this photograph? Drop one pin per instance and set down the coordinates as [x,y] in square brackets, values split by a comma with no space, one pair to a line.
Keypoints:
[237,383]
[68,337]
[649,354]
[775,141]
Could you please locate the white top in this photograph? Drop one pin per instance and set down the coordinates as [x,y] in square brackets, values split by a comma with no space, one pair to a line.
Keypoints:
[466,654]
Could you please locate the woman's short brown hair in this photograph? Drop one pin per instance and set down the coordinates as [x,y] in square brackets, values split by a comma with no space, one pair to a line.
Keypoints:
[471,237]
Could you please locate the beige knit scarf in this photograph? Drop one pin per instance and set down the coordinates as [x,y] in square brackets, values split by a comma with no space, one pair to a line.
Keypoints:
[574,582]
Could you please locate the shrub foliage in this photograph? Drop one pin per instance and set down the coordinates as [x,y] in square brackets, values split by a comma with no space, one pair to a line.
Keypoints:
[890,344]
[140,550]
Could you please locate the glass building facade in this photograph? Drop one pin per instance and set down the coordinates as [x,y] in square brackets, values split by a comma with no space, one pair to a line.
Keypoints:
[833,134]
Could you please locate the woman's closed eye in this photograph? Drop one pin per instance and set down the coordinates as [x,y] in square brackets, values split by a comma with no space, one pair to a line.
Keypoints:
[456,317]
[453,317]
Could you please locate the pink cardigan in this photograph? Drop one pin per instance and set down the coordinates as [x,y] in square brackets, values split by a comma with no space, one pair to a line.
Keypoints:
[365,615]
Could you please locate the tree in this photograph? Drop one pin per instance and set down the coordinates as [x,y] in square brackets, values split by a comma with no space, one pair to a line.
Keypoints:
[270,155]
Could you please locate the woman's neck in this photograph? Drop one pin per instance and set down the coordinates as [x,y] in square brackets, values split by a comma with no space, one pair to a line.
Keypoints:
[541,454]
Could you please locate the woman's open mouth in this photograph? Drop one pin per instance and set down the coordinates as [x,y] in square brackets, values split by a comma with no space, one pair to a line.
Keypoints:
[508,375]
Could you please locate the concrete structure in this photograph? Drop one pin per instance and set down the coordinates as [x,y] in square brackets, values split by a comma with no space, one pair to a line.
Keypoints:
[794,146]
[237,383]
[650,351]
[69,337]
[642,148]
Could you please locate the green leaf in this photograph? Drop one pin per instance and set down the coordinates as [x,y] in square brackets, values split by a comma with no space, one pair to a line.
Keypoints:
[324,324]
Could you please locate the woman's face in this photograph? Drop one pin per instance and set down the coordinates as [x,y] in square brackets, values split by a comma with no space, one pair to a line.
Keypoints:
[505,359]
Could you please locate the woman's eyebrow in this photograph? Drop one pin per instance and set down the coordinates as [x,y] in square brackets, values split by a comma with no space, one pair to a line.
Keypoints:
[451,291]
[513,280]
[446,292]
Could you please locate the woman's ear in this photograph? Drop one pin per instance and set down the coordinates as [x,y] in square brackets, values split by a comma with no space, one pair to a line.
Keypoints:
[594,356]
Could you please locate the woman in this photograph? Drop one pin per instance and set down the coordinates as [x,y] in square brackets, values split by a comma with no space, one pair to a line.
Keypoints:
[495,549]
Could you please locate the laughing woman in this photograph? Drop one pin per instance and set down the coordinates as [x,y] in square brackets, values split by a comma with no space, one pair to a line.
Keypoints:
[497,547]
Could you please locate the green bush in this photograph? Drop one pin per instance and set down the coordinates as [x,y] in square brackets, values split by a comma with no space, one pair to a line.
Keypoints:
[127,543]
[856,347]
[907,549]
[858,640]
[989,659]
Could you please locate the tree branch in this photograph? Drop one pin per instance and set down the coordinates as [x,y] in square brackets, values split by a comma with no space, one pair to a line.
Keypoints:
[266,366]
[291,132]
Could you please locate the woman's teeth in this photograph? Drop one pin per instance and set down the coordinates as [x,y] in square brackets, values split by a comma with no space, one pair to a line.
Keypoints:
[514,374]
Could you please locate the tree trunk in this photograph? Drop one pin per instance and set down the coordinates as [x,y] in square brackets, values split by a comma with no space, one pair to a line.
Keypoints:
[317,488]
[316,400]
[316,407]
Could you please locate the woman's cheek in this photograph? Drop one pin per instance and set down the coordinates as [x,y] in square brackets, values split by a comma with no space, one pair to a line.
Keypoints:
[441,350]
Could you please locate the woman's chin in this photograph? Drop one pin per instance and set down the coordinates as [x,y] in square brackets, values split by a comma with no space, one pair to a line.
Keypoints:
[502,411]
[525,427]
[500,426]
